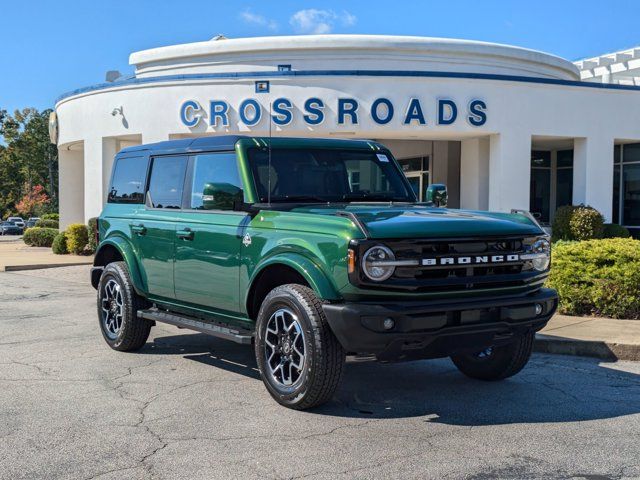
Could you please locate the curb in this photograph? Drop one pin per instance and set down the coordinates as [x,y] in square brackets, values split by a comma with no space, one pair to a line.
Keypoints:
[17,268]
[586,348]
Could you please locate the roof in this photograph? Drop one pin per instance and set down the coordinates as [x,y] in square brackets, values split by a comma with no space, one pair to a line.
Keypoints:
[621,67]
[228,142]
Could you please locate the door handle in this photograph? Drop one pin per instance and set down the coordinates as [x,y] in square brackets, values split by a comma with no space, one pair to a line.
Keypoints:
[139,229]
[185,234]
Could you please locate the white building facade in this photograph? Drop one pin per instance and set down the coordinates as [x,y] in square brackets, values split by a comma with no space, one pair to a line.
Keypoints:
[503,127]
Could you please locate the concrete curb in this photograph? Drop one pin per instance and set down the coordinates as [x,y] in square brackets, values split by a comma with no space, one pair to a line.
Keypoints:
[586,348]
[17,268]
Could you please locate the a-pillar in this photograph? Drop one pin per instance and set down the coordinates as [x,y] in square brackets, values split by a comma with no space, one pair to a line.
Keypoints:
[593,173]
[509,171]
[71,186]
[474,174]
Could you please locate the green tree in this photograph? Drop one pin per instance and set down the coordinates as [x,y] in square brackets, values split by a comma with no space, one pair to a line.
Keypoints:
[27,159]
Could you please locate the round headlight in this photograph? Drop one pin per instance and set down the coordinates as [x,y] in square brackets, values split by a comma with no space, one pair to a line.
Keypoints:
[373,263]
[541,251]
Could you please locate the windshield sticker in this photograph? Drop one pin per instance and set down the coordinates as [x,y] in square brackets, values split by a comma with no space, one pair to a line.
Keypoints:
[382,157]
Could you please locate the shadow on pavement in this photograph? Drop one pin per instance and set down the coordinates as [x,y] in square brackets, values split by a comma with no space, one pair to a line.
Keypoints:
[552,388]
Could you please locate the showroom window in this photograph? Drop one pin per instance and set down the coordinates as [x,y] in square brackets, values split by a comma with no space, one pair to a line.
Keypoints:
[626,185]
[416,170]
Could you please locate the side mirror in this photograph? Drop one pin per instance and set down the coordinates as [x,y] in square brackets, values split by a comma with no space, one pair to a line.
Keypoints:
[220,196]
[437,194]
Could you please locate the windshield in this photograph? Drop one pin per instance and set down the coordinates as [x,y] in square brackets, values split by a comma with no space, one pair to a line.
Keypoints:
[327,175]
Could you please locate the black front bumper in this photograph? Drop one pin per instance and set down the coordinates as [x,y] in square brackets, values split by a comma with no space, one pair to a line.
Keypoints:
[437,329]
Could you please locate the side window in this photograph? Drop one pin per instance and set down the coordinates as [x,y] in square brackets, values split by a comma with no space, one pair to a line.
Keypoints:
[167,181]
[216,183]
[127,184]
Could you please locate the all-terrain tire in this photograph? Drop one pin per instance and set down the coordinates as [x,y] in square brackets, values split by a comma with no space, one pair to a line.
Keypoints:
[503,361]
[324,356]
[134,331]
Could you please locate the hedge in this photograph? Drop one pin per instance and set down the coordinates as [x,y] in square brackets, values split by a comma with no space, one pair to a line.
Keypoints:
[613,230]
[577,223]
[597,277]
[47,223]
[39,236]
[51,216]
[77,238]
[59,245]
[92,226]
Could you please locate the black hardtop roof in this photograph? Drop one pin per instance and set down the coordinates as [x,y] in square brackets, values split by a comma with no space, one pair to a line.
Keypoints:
[228,142]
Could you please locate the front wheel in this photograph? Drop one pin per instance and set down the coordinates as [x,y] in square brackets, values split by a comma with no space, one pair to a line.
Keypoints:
[300,360]
[496,363]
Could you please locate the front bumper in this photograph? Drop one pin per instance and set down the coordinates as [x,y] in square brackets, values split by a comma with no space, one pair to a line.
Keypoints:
[437,329]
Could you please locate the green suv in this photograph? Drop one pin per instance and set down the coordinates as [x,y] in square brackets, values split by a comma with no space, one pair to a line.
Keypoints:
[311,250]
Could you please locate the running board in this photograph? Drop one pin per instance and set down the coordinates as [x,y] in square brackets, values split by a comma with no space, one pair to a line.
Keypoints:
[243,337]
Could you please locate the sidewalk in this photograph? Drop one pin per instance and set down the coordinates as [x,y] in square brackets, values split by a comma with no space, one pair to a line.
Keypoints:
[15,255]
[592,337]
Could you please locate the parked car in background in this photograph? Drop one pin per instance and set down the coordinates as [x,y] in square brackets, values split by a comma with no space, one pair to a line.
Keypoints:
[32,222]
[10,228]
[18,221]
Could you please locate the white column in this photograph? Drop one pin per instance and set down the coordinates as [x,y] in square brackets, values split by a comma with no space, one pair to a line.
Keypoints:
[509,171]
[109,150]
[92,177]
[474,174]
[70,186]
[593,174]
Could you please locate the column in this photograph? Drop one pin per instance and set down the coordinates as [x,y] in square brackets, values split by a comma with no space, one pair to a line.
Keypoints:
[109,150]
[71,186]
[474,174]
[154,137]
[92,177]
[509,171]
[593,174]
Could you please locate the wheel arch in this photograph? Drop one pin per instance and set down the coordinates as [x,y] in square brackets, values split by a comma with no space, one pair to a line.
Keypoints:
[282,269]
[117,249]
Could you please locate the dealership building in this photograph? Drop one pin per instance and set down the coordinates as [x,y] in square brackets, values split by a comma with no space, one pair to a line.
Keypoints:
[504,127]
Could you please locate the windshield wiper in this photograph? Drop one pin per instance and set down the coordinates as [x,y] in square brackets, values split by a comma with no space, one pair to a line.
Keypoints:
[299,198]
[372,197]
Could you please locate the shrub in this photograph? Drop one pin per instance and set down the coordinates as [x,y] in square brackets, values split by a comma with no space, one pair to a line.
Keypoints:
[560,227]
[47,223]
[598,277]
[39,237]
[92,226]
[613,230]
[51,216]
[586,224]
[77,238]
[59,245]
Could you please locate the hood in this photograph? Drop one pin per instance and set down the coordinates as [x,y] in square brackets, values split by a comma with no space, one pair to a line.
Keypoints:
[418,221]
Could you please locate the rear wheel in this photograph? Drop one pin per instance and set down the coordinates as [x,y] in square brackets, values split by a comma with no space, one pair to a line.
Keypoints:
[496,363]
[300,360]
[118,305]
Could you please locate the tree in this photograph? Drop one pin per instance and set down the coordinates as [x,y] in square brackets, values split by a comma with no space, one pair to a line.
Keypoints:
[34,203]
[28,158]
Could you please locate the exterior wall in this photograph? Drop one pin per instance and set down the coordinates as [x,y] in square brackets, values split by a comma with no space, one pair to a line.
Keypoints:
[71,191]
[495,155]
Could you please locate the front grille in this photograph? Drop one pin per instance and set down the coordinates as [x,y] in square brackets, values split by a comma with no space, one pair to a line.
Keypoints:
[450,278]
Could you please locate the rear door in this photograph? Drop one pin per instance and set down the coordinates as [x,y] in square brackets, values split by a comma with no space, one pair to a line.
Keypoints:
[154,227]
[209,235]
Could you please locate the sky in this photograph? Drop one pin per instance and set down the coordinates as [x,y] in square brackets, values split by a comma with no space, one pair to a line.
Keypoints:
[49,48]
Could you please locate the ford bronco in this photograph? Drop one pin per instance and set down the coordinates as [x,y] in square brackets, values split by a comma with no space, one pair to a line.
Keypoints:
[311,250]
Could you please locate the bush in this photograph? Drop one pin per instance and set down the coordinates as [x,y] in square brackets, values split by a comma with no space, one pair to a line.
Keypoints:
[47,223]
[613,230]
[51,216]
[59,245]
[92,226]
[597,277]
[39,237]
[561,229]
[586,224]
[77,238]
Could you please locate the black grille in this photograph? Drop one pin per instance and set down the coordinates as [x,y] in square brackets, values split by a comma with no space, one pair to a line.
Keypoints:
[449,278]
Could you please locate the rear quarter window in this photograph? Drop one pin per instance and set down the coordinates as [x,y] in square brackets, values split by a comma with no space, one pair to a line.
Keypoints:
[128,180]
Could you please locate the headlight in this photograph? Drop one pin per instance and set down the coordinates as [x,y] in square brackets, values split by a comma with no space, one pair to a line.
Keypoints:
[539,254]
[374,263]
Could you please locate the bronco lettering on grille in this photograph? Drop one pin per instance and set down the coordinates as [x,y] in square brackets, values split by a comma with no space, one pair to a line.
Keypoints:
[470,260]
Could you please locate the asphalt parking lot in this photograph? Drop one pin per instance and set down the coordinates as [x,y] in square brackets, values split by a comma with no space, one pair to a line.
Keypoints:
[191,406]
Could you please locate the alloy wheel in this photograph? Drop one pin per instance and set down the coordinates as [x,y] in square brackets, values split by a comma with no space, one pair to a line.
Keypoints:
[284,347]
[112,308]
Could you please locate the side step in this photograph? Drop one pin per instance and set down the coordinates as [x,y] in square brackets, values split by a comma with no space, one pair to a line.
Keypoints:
[235,335]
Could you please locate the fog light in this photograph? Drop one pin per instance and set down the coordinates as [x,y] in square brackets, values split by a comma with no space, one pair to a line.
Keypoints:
[389,323]
[538,309]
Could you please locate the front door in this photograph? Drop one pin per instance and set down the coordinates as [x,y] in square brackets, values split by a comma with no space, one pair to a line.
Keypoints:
[153,228]
[209,235]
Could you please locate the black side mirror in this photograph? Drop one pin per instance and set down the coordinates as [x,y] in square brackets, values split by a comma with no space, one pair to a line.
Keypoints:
[437,194]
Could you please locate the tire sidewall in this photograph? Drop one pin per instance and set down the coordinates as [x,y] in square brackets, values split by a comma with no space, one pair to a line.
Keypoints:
[275,300]
[115,272]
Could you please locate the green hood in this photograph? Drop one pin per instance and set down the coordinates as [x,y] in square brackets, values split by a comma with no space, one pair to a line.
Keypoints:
[418,221]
